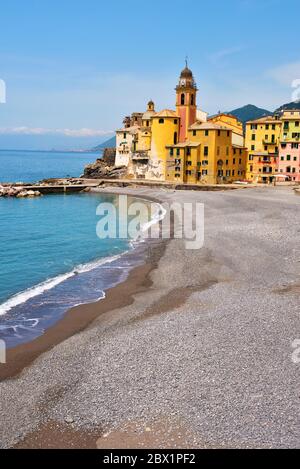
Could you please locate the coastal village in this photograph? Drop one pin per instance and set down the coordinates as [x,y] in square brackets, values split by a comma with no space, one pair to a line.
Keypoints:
[185,145]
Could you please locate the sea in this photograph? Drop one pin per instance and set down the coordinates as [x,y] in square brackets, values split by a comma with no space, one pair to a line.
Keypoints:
[51,258]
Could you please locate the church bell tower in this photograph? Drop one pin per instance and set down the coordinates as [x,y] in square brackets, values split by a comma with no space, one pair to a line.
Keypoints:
[186,92]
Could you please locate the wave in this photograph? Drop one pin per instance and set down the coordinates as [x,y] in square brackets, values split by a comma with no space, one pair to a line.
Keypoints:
[48,284]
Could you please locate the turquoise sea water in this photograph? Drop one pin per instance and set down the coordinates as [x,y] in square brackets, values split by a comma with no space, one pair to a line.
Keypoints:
[50,256]
[31,166]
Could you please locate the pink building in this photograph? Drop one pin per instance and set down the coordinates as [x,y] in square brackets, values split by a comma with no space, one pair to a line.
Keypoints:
[289,161]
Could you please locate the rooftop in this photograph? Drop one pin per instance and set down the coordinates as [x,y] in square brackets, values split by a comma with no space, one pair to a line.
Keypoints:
[166,113]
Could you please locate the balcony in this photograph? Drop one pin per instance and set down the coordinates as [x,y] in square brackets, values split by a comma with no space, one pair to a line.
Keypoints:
[140,156]
[269,142]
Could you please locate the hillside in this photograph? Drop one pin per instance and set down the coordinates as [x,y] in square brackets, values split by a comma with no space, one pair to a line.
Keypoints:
[250,112]
[292,105]
[111,143]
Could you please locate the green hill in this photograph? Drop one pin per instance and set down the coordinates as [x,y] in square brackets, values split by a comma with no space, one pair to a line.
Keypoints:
[250,112]
[111,143]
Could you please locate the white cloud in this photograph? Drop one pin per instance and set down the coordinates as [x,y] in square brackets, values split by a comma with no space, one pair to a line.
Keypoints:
[285,74]
[216,56]
[43,131]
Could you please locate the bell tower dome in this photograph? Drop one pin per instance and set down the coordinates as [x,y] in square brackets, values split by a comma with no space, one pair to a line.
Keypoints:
[186,93]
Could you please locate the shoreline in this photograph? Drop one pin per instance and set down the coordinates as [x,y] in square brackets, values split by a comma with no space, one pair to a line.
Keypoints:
[77,319]
[80,317]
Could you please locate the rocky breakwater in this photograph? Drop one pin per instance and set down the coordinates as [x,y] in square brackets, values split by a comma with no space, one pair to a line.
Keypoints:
[19,192]
[104,168]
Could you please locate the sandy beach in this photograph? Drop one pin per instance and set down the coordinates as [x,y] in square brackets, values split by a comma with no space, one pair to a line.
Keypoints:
[193,350]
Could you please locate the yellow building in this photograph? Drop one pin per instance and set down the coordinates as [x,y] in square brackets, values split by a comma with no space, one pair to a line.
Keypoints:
[183,147]
[262,142]
[164,132]
[208,157]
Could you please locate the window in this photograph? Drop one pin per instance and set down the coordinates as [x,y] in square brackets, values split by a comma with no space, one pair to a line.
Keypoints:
[233,161]
[188,172]
[252,147]
[178,151]
[266,137]
[177,168]
[297,124]
[267,126]
[205,151]
[189,163]
[175,138]
[266,147]
[161,121]
[228,133]
[250,157]
[219,133]
[240,161]
[204,162]
[295,145]
[241,151]
[273,127]
[227,151]
[204,172]
[192,100]
[234,151]
[288,157]
[228,172]
[206,133]
[182,99]
[188,151]
[233,172]
[147,123]
[282,158]
[295,158]
[253,126]
[251,168]
[175,121]
[227,162]
[171,151]
[253,137]
[194,133]
[124,135]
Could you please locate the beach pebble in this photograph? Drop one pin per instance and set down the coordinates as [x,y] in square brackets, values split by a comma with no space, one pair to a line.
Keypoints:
[69,420]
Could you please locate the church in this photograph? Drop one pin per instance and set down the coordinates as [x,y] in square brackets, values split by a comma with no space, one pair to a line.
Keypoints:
[182,145]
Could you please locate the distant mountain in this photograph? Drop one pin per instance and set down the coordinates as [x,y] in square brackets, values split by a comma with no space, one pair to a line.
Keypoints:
[111,143]
[292,105]
[250,112]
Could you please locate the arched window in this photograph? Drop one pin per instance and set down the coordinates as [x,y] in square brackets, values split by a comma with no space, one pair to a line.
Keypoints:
[175,138]
[192,100]
[182,98]
[161,121]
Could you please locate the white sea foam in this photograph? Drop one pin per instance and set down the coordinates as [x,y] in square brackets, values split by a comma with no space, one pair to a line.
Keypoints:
[39,289]
[48,284]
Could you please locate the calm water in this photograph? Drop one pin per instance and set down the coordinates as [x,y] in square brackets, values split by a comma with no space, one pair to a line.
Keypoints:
[51,259]
[31,166]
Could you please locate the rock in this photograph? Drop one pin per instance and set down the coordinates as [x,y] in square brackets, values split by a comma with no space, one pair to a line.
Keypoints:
[69,420]
[22,194]
[30,193]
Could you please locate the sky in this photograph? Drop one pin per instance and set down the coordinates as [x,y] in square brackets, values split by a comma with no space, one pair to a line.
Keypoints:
[73,69]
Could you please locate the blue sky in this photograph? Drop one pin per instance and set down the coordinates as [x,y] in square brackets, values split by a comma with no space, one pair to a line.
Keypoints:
[73,69]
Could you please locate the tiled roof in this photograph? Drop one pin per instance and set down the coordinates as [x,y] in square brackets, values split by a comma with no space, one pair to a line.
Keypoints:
[265,120]
[208,126]
[166,113]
